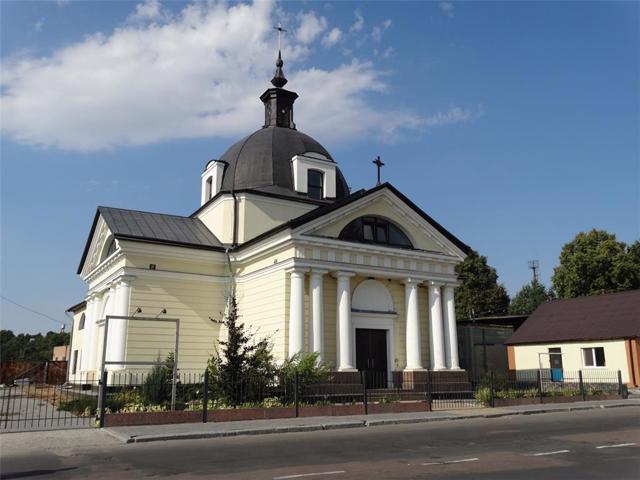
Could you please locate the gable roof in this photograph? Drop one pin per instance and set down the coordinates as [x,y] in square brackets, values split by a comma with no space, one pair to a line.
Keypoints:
[325,210]
[154,228]
[598,317]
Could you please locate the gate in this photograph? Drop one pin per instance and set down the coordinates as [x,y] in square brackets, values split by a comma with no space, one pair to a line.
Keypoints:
[30,404]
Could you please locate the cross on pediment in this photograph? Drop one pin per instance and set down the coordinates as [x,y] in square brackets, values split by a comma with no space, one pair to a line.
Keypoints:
[379,164]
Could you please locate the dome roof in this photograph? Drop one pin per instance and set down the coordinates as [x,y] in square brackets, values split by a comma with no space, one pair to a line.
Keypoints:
[262,161]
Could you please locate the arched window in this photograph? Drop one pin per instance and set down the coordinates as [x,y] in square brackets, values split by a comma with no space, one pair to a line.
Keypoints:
[375,230]
[209,187]
[110,250]
[315,184]
[81,323]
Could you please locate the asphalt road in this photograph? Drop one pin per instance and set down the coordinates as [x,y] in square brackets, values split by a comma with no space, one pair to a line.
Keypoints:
[577,445]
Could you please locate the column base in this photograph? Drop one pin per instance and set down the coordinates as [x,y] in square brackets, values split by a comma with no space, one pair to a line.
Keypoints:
[347,369]
[414,369]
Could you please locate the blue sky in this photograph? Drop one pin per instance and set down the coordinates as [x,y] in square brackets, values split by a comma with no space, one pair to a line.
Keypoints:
[515,125]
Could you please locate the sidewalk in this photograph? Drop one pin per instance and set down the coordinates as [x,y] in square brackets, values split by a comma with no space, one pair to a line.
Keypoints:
[154,433]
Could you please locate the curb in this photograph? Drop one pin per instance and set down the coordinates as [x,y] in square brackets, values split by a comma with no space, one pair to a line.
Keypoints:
[126,439]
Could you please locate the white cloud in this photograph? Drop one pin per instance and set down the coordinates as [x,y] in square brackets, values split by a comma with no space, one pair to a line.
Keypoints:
[331,38]
[447,9]
[62,3]
[358,25]
[38,25]
[378,30]
[454,115]
[310,27]
[149,10]
[195,75]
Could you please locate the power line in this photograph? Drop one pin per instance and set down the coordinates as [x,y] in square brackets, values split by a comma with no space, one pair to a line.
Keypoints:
[33,311]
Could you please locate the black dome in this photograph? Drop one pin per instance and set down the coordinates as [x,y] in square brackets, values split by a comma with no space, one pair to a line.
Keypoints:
[262,161]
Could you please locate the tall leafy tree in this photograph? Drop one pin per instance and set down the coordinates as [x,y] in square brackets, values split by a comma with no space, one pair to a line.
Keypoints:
[596,262]
[480,294]
[30,348]
[529,298]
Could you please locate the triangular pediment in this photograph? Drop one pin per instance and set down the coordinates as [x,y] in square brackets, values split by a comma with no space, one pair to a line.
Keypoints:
[100,234]
[423,232]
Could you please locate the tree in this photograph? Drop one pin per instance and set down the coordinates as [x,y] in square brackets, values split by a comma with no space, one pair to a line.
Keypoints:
[30,348]
[529,297]
[596,262]
[242,368]
[480,294]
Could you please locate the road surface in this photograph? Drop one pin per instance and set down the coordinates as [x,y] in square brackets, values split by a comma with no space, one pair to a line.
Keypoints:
[577,445]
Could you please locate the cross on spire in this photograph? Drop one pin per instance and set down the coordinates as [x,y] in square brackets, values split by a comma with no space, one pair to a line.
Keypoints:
[279,79]
[379,164]
[280,32]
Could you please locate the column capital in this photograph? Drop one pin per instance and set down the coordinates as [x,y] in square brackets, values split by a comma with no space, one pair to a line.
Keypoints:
[411,281]
[125,280]
[318,271]
[434,283]
[296,270]
[343,274]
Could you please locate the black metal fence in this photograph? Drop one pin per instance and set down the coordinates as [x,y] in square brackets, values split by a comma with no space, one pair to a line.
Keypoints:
[29,405]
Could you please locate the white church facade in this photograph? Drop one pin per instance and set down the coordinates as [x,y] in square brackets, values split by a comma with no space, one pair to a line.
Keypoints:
[365,278]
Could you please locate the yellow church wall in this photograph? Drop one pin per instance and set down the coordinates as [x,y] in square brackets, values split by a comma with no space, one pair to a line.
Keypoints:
[268,260]
[263,304]
[383,209]
[218,217]
[170,265]
[259,214]
[193,302]
[527,357]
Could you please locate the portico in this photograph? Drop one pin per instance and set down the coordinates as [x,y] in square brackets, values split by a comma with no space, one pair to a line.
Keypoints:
[363,301]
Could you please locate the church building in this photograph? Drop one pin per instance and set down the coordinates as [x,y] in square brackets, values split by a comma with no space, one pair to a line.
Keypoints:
[365,278]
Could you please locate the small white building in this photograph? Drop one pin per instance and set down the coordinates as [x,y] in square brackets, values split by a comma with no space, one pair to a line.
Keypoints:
[591,334]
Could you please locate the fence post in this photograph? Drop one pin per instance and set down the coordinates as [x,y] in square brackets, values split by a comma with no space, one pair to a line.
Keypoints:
[102,398]
[295,393]
[492,397]
[6,417]
[205,397]
[582,390]
[619,382]
[428,390]
[539,378]
[363,379]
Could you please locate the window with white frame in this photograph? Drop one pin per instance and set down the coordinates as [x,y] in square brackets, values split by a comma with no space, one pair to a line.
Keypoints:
[593,357]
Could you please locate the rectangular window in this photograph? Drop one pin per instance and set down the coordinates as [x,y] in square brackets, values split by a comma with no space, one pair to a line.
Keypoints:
[367,231]
[315,182]
[74,362]
[593,357]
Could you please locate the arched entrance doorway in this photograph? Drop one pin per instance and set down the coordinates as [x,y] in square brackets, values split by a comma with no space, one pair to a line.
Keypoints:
[373,316]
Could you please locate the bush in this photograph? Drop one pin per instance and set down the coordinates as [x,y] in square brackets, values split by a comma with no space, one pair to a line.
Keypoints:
[156,389]
[80,406]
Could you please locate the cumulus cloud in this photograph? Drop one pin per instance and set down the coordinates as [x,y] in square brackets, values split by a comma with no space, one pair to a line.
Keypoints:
[196,74]
[447,9]
[310,27]
[331,38]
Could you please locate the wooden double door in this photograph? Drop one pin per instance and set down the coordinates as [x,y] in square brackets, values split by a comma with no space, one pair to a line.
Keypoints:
[371,355]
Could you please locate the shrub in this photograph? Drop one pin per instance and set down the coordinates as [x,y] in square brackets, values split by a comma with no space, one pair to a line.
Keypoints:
[157,386]
[84,405]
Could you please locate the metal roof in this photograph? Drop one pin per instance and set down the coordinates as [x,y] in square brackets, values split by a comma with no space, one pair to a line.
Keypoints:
[262,161]
[597,317]
[154,228]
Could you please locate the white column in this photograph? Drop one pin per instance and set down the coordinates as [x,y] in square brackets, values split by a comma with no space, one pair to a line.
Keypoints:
[94,361]
[344,328]
[437,330]
[414,355]
[316,313]
[451,327]
[296,312]
[87,334]
[118,328]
